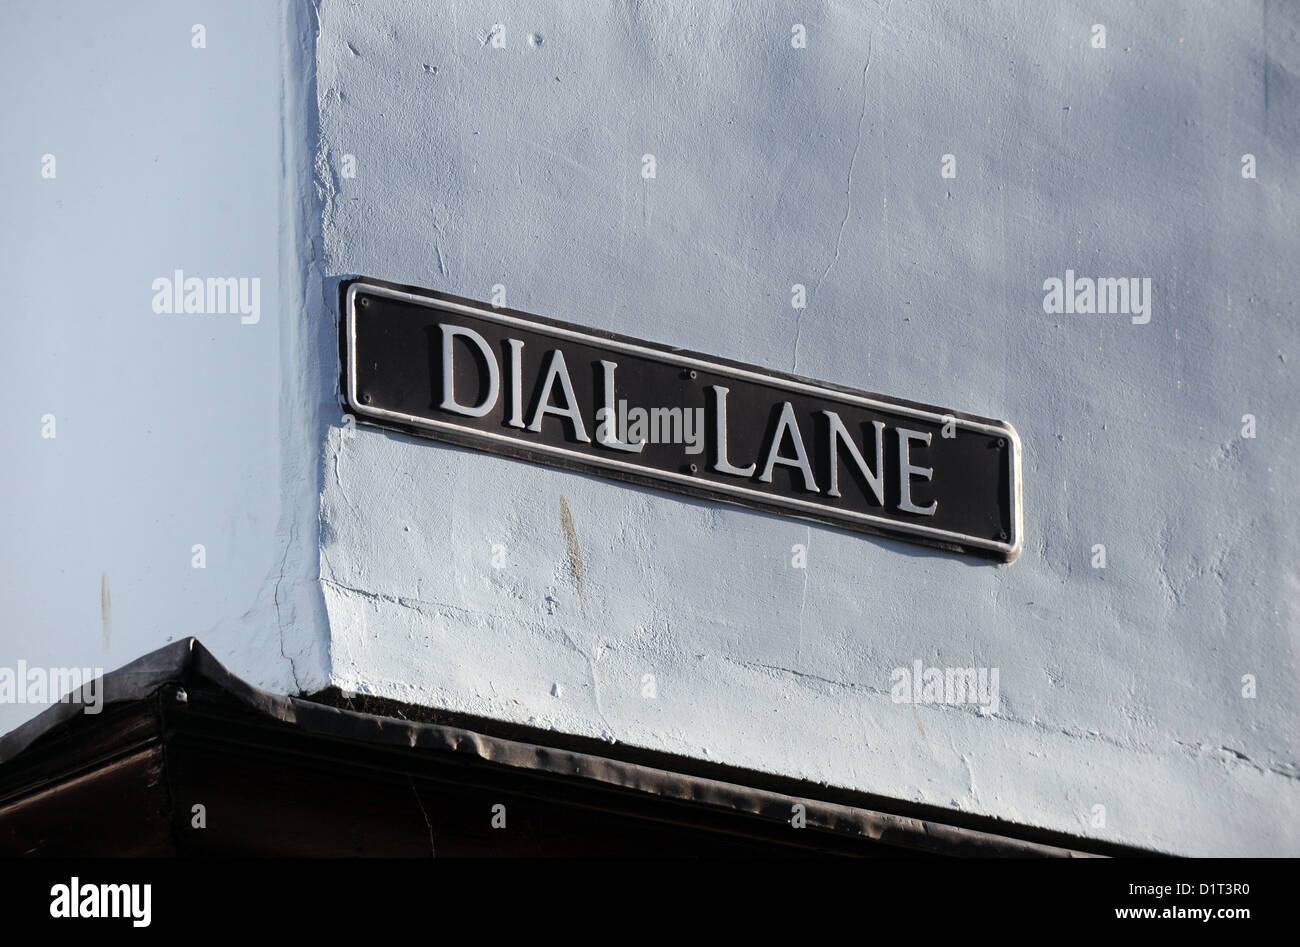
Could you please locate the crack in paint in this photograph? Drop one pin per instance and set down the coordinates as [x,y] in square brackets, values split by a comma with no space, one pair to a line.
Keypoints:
[279,622]
[419,605]
[848,188]
[1227,755]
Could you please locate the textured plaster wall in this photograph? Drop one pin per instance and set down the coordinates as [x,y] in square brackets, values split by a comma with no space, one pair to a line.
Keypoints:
[1120,687]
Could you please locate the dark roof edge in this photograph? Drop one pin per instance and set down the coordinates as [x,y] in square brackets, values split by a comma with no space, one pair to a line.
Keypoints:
[188,663]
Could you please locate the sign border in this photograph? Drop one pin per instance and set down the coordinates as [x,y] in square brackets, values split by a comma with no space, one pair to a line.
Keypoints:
[1006,551]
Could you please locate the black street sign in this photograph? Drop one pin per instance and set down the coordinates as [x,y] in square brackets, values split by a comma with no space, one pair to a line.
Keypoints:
[586,400]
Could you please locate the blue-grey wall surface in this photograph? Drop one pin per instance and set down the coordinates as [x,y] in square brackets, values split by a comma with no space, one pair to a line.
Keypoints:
[160,473]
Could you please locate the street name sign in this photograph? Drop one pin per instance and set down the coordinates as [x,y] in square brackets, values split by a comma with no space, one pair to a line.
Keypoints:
[585,400]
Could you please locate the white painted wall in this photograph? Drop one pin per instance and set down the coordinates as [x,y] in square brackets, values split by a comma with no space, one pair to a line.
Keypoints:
[1119,687]
[820,166]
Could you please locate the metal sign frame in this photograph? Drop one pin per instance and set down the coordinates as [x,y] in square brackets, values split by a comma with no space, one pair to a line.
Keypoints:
[1004,547]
